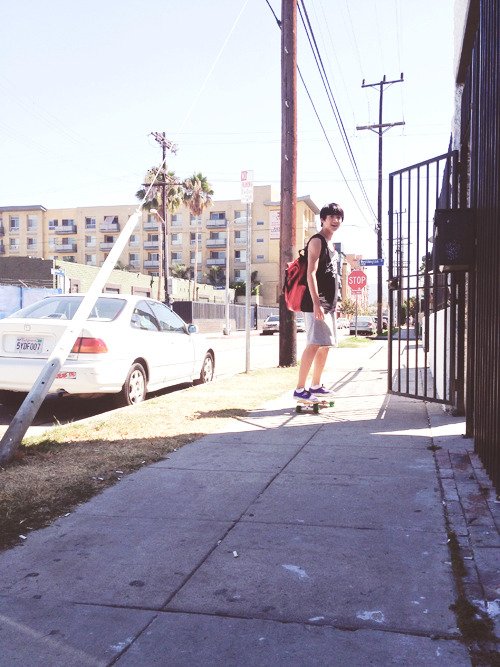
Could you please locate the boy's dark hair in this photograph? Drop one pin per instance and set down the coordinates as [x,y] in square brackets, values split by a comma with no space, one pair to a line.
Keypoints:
[331,209]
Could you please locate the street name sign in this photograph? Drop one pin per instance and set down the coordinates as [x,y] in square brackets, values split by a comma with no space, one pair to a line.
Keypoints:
[371,262]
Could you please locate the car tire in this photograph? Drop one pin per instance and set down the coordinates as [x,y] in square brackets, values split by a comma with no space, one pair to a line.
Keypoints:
[207,370]
[134,387]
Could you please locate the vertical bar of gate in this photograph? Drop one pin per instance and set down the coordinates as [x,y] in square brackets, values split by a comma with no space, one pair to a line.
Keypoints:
[427,291]
[417,291]
[435,296]
[408,277]
[391,291]
[400,274]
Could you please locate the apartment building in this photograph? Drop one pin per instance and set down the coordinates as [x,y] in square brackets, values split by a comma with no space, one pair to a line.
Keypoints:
[218,238]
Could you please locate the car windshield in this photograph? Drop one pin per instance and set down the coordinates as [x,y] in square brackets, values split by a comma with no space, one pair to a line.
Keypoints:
[364,320]
[273,318]
[64,308]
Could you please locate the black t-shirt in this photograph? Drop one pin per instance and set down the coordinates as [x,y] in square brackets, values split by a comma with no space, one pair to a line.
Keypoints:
[326,278]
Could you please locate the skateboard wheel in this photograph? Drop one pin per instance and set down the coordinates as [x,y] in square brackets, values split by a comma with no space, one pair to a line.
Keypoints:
[298,408]
[315,409]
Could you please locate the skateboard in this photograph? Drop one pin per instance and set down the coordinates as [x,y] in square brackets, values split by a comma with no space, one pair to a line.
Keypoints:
[315,406]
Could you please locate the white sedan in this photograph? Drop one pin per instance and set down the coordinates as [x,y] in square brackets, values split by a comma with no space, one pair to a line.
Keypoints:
[129,346]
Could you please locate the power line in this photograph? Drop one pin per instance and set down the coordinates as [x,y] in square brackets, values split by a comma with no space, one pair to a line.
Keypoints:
[323,128]
[333,104]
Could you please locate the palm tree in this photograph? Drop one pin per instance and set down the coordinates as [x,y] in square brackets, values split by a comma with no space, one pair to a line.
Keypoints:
[197,196]
[173,199]
[180,271]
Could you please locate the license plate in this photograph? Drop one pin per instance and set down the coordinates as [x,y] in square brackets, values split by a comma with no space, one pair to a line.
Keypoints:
[66,375]
[29,345]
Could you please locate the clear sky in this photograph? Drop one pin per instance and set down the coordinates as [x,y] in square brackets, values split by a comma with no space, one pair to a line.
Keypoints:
[84,83]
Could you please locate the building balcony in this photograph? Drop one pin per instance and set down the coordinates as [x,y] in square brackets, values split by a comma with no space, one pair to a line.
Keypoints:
[105,245]
[240,242]
[151,263]
[14,230]
[109,227]
[134,244]
[217,243]
[66,229]
[14,249]
[216,223]
[151,245]
[65,247]
[239,263]
[32,247]
[216,262]
[241,221]
[135,263]
[150,224]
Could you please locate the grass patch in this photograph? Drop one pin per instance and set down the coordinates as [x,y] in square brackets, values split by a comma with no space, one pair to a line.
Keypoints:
[69,464]
[355,341]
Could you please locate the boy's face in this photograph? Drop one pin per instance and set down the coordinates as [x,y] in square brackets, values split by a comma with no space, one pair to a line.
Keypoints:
[332,222]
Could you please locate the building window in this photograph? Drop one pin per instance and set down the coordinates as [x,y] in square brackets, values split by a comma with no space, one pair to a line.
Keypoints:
[89,223]
[240,235]
[13,245]
[239,214]
[240,274]
[31,243]
[133,258]
[240,255]
[176,256]
[90,259]
[70,258]
[53,224]
[14,223]
[32,222]
[90,241]
[176,218]
[176,239]
[260,257]
[134,240]
[260,222]
[260,240]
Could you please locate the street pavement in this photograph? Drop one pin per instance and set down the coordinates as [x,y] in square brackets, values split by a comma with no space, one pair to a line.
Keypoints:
[289,539]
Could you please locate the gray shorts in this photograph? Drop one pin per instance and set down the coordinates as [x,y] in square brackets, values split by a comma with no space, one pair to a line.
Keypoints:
[321,332]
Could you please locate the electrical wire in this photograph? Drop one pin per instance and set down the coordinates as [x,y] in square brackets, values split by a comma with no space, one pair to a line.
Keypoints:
[333,104]
[373,229]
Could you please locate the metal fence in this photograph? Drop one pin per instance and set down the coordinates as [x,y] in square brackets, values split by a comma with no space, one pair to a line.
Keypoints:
[480,190]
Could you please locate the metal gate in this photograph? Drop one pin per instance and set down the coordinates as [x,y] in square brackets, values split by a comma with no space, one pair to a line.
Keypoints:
[426,306]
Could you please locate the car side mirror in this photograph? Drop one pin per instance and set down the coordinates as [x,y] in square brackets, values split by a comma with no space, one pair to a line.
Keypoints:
[192,329]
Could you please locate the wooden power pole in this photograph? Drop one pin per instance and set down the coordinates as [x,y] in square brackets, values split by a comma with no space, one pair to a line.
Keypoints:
[288,208]
[380,128]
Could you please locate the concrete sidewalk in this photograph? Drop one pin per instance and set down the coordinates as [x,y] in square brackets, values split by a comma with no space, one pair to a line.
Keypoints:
[295,539]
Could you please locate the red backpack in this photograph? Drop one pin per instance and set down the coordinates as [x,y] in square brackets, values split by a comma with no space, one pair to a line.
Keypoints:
[295,283]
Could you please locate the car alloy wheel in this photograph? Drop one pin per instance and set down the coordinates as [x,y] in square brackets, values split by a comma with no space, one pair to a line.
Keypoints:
[134,387]
[207,370]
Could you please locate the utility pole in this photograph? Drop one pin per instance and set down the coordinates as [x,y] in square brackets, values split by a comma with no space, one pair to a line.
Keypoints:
[380,128]
[288,217]
[165,144]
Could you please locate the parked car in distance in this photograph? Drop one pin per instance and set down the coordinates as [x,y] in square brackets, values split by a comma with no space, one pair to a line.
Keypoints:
[272,324]
[365,326]
[384,321]
[129,345]
[342,323]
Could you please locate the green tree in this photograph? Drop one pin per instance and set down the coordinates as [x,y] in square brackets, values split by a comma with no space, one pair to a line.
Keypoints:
[215,276]
[197,195]
[348,308]
[180,271]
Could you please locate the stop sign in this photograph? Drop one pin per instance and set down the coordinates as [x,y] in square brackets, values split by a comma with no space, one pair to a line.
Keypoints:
[356,280]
